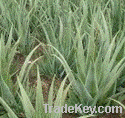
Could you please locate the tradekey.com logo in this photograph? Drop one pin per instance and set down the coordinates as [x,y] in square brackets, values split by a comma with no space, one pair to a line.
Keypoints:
[85,109]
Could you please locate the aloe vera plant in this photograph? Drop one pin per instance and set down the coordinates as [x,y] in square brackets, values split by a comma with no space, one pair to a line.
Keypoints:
[97,76]
[7,53]
[39,110]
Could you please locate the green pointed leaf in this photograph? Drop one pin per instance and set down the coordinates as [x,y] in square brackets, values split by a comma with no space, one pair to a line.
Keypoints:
[27,105]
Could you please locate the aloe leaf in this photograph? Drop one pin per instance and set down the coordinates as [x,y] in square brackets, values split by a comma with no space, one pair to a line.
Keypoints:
[65,93]
[30,66]
[118,102]
[27,105]
[39,97]
[58,101]
[60,98]
[11,114]
[12,53]
[6,93]
[8,45]
[21,74]
[114,75]
[81,57]
[90,83]
[4,116]
[51,97]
